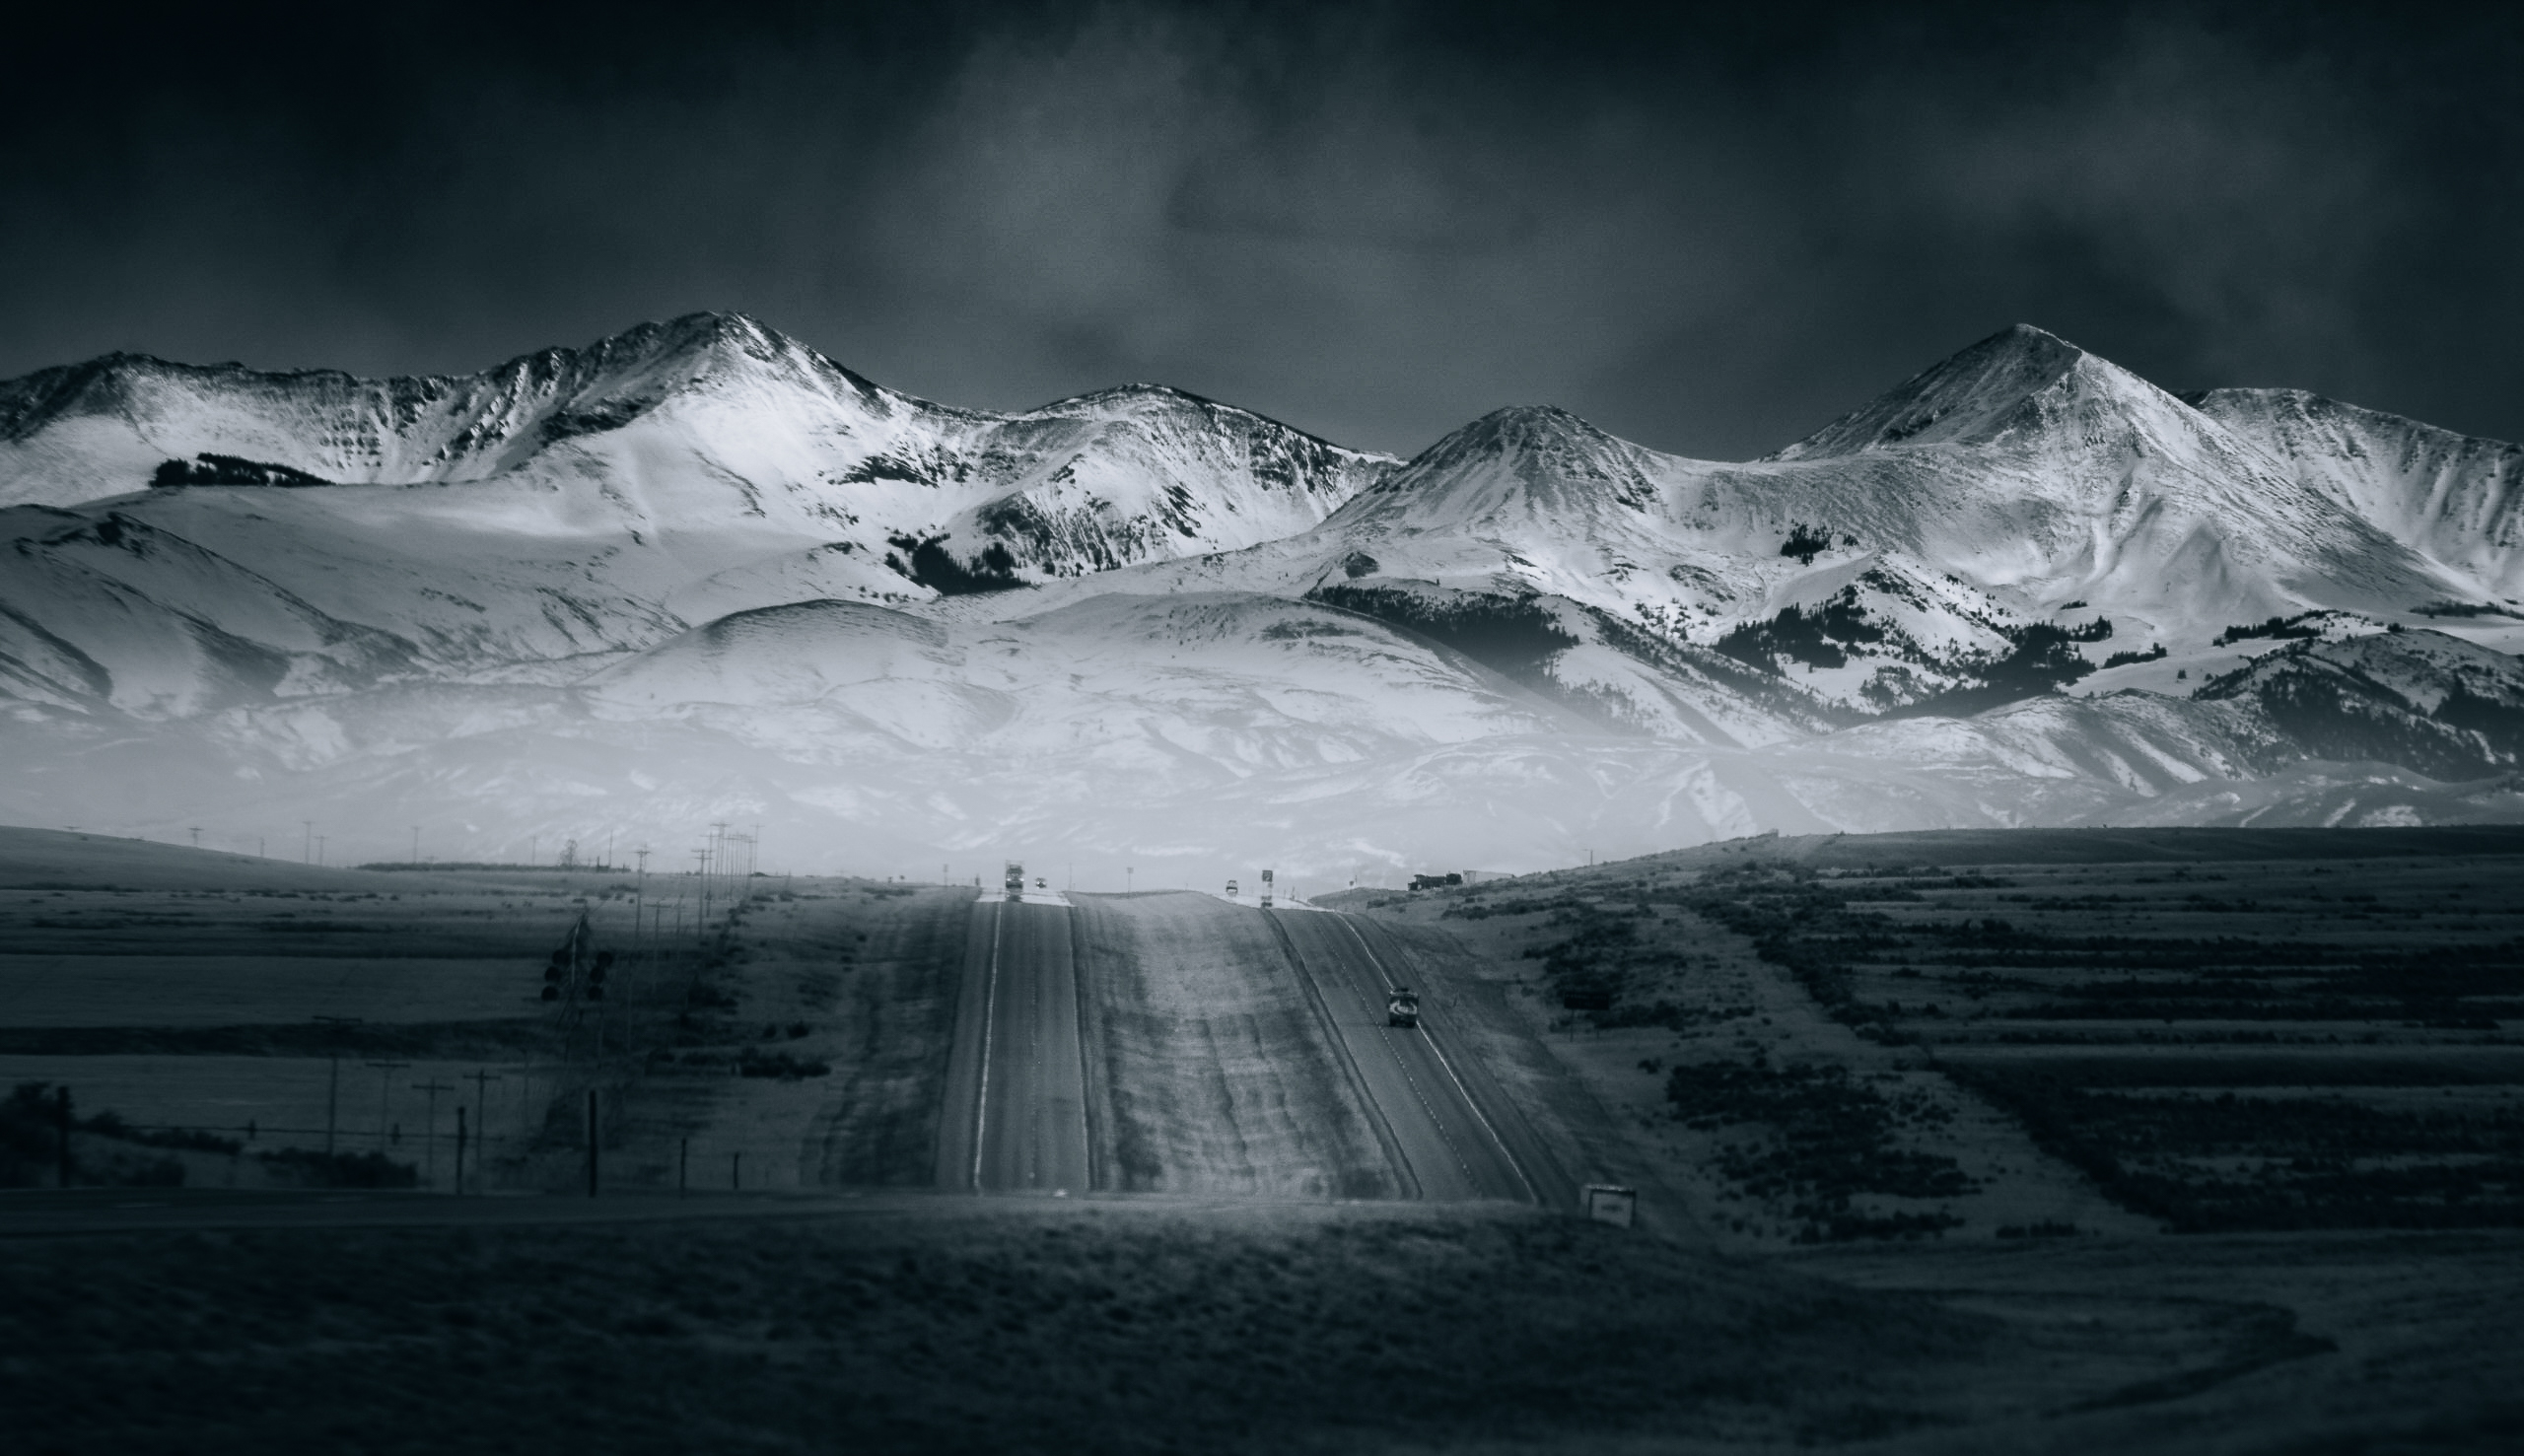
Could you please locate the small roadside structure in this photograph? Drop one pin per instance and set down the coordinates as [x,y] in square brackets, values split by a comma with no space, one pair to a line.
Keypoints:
[1610,1203]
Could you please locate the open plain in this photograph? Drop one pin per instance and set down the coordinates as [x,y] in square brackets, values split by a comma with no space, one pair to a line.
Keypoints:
[2051,1141]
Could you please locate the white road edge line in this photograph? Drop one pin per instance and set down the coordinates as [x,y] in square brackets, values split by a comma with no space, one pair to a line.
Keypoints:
[989,1004]
[1533,1194]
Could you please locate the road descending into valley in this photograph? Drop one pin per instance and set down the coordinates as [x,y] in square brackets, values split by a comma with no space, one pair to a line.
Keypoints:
[1085,1058]
[1015,1116]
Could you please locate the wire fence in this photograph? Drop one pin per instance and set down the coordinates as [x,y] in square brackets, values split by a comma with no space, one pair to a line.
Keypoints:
[568,1116]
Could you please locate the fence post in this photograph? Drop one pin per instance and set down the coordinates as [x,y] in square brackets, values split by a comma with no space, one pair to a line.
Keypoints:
[592,1141]
[460,1149]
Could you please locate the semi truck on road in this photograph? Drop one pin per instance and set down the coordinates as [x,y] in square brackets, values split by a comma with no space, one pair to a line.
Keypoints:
[1016,881]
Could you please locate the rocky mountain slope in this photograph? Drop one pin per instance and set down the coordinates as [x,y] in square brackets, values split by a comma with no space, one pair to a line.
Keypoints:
[700,570]
[688,427]
[2456,498]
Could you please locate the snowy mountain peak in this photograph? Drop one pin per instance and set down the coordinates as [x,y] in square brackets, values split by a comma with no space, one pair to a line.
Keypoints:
[712,344]
[646,364]
[1543,430]
[1148,403]
[1523,469]
[101,428]
[2022,381]
[1543,447]
[1136,397]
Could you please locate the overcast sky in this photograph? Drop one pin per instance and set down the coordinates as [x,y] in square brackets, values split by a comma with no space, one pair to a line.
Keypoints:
[1709,233]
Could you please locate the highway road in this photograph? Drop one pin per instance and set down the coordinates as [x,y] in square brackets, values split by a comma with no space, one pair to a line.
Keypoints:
[1016,1111]
[1448,1144]
[1018,1117]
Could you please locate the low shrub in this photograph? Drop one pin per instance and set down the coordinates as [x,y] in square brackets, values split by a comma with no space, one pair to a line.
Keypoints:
[1831,1141]
[309,1168]
[778,1066]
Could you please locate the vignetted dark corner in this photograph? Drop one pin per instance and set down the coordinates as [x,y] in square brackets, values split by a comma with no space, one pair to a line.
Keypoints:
[1690,730]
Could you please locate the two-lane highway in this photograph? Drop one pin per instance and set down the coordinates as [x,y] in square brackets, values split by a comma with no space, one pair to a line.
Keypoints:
[1448,1145]
[1016,1114]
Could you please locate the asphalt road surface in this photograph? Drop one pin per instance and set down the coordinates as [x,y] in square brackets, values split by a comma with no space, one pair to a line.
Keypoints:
[1015,1116]
[1449,1147]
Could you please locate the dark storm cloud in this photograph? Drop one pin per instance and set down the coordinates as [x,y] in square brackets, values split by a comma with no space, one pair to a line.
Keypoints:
[1709,231]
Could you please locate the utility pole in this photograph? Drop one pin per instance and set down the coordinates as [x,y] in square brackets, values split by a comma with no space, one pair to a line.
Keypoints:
[428,1144]
[533,842]
[333,1078]
[416,844]
[481,1077]
[639,932]
[639,902]
[319,848]
[195,832]
[307,855]
[385,1086]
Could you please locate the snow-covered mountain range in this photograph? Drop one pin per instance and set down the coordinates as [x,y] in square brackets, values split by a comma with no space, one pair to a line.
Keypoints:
[699,572]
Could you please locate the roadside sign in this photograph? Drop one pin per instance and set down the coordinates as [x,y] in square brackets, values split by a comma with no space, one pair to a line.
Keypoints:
[1610,1203]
